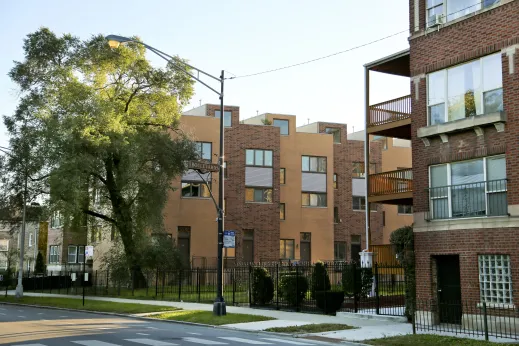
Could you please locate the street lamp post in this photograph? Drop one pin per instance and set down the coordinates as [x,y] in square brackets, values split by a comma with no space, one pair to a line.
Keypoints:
[114,41]
[19,286]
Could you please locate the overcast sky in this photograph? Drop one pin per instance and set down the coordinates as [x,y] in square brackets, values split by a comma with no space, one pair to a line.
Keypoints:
[242,37]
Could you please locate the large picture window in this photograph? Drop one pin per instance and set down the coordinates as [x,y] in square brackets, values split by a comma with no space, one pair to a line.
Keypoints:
[471,188]
[310,199]
[258,158]
[454,9]
[313,164]
[466,90]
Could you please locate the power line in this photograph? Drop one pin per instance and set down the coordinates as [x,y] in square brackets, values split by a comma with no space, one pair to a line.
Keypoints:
[350,49]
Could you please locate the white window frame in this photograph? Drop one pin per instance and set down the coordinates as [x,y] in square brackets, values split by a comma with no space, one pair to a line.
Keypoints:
[6,246]
[449,185]
[489,282]
[360,203]
[446,91]
[446,15]
[264,155]
[30,239]
[73,253]
[55,255]
[56,220]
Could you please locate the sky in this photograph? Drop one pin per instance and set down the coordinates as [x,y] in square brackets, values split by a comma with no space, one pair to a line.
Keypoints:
[240,37]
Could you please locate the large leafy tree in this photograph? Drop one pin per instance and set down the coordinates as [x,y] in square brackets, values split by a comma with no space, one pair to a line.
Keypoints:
[97,121]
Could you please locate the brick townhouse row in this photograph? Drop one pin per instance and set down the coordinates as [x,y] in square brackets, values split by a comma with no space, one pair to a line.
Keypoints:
[462,116]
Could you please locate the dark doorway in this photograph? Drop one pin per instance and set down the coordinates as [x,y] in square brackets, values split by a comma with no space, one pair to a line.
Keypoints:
[184,245]
[248,246]
[305,247]
[449,288]
[355,248]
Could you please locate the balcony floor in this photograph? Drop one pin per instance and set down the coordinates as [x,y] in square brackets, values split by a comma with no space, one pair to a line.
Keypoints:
[403,198]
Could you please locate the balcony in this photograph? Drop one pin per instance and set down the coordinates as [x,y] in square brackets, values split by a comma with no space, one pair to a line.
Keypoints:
[391,118]
[481,199]
[394,187]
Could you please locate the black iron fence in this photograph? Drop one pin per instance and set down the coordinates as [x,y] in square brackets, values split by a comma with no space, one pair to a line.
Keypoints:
[486,198]
[335,286]
[469,318]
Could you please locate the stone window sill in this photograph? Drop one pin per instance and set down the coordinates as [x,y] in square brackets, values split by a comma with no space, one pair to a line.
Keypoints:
[497,306]
[471,123]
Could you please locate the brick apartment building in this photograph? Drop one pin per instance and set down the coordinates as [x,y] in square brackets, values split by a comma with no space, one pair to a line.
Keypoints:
[462,120]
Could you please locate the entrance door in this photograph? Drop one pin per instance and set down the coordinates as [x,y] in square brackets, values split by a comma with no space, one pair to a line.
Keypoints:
[305,245]
[184,245]
[248,246]
[449,288]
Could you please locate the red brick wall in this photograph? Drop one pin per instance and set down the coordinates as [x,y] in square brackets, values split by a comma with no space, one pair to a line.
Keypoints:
[466,40]
[468,244]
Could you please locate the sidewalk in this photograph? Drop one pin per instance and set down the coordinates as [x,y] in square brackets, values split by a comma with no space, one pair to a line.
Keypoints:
[368,328]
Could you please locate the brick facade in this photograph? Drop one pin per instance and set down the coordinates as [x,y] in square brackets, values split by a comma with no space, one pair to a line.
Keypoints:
[469,38]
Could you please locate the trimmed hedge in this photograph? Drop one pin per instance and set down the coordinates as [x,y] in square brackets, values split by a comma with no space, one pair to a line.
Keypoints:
[320,279]
[356,280]
[293,288]
[262,287]
[329,301]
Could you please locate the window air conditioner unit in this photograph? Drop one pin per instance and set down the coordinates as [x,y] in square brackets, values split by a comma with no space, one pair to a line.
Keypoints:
[435,20]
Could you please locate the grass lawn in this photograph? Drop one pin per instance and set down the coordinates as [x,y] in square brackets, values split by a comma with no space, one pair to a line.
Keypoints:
[425,339]
[207,317]
[91,305]
[311,328]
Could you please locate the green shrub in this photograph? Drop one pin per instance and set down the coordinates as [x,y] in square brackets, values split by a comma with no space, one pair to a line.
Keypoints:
[262,287]
[403,239]
[329,301]
[357,280]
[7,277]
[293,288]
[320,279]
[39,268]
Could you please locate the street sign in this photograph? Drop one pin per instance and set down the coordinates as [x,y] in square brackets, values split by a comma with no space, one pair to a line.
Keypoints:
[229,239]
[203,166]
[89,251]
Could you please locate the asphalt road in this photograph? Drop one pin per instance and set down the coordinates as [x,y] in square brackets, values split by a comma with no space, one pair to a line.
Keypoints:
[27,326]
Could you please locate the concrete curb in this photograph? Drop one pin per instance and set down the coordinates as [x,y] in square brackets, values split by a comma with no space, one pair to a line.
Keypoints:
[151,319]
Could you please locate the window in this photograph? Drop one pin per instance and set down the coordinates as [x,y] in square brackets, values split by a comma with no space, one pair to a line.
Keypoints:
[454,9]
[4,245]
[258,194]
[72,254]
[335,183]
[359,171]
[405,209]
[54,254]
[282,211]
[310,199]
[339,250]
[473,88]
[283,126]
[359,203]
[336,134]
[227,117]
[195,189]
[30,239]
[282,176]
[314,164]
[204,150]
[336,215]
[495,279]
[286,249]
[80,254]
[260,158]
[56,220]
[472,188]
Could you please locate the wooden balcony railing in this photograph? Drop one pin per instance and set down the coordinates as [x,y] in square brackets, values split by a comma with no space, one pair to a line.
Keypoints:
[390,111]
[392,182]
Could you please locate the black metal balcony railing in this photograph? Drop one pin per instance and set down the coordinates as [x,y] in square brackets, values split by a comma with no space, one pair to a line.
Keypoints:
[390,111]
[486,198]
[392,182]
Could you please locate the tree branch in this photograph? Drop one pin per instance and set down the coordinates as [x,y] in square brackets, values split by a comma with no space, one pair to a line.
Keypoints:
[133,95]
[98,215]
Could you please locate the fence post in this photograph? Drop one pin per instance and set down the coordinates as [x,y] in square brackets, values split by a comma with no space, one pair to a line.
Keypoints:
[297,288]
[133,281]
[485,320]
[179,285]
[250,292]
[413,317]
[147,282]
[325,271]
[42,281]
[157,283]
[163,283]
[198,284]
[50,283]
[377,296]
[233,275]
[277,286]
[354,273]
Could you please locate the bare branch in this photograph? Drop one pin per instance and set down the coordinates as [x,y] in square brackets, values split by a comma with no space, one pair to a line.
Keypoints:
[100,216]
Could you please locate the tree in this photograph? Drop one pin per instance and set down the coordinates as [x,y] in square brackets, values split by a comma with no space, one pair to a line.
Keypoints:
[320,279]
[95,119]
[39,268]
[403,239]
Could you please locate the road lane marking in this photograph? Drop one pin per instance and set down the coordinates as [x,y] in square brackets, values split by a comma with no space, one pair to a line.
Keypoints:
[195,333]
[245,341]
[287,341]
[142,334]
[94,343]
[63,317]
[150,342]
[203,341]
[20,310]
[22,317]
[152,328]
[40,313]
